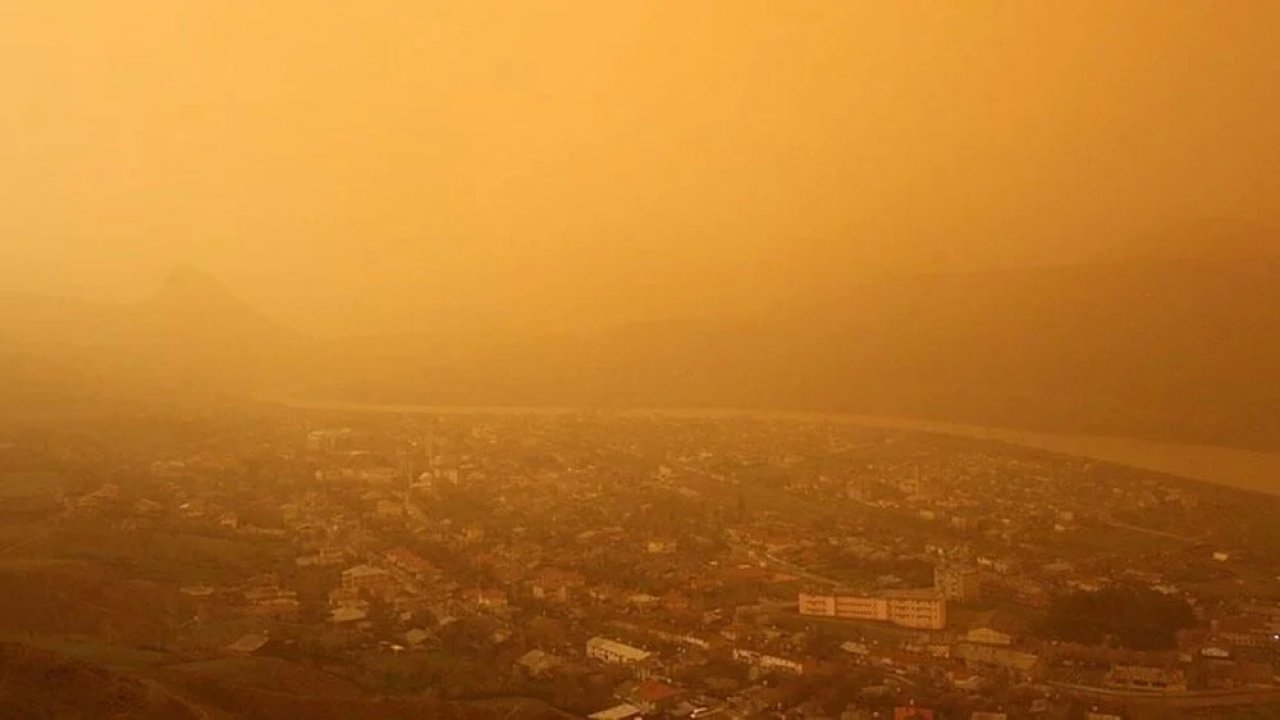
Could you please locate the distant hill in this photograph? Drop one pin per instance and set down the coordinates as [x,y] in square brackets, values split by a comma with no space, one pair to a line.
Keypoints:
[1184,348]
[193,338]
[1175,348]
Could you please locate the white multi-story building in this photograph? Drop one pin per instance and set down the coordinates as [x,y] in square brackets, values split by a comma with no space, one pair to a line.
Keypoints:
[857,607]
[919,609]
[820,605]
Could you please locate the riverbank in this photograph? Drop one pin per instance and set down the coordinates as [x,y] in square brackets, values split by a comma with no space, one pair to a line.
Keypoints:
[1243,469]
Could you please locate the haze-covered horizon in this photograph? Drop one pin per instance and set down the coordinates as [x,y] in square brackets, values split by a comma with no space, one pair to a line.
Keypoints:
[567,166]
[640,360]
[1062,215]
[1213,241]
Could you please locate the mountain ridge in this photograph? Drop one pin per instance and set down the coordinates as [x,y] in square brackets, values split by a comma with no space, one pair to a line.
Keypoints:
[1173,348]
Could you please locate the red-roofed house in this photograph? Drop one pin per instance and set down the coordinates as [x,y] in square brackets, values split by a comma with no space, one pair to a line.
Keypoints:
[651,695]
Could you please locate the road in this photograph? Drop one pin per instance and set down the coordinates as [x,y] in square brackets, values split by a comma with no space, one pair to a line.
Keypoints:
[1183,700]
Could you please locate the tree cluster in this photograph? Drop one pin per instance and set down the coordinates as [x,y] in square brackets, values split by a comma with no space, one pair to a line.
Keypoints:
[1129,617]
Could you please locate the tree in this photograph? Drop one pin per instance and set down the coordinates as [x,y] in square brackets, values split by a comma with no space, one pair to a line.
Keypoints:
[1130,617]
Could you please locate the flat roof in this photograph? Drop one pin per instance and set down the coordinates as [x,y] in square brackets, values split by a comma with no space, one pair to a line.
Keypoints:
[617,712]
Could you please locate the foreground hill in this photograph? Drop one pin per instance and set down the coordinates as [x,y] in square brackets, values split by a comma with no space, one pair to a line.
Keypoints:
[37,684]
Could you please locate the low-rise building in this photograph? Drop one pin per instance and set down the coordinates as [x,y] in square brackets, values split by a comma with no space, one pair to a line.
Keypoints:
[612,651]
[994,628]
[369,579]
[652,696]
[1141,677]
[1019,663]
[410,563]
[487,598]
[272,602]
[625,711]
[986,635]
[537,663]
[766,661]
[554,585]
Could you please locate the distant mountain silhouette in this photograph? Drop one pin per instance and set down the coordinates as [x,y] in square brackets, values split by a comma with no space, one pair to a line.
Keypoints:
[193,337]
[200,331]
[1184,348]
[191,289]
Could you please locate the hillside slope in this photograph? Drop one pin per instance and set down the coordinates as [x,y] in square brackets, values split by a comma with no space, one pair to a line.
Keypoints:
[37,685]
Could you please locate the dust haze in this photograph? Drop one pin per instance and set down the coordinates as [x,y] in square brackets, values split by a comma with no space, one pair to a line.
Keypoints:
[404,164]
[714,360]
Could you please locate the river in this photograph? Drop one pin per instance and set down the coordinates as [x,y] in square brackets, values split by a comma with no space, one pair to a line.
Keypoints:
[1246,469]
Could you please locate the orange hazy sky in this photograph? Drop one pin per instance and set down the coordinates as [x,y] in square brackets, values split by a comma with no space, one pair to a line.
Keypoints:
[379,165]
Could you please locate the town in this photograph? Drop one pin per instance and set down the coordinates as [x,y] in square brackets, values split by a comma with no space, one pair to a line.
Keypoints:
[628,565]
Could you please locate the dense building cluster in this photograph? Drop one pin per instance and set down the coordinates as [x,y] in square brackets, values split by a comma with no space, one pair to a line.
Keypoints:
[639,565]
